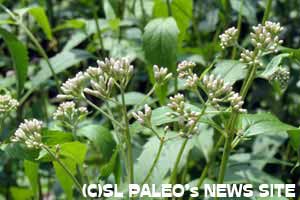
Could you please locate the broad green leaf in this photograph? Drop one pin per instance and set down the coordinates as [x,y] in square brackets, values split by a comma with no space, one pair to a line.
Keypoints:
[210,22]
[165,162]
[53,137]
[60,62]
[181,11]
[41,18]
[21,193]
[19,56]
[248,9]
[295,138]
[273,65]
[230,70]
[71,154]
[112,166]
[31,171]
[101,138]
[160,42]
[263,123]
[19,151]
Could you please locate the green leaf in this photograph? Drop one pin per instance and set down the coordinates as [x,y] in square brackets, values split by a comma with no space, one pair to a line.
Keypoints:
[295,138]
[248,9]
[160,42]
[263,123]
[41,18]
[21,193]
[18,151]
[19,56]
[72,23]
[111,166]
[230,70]
[133,98]
[60,62]
[101,138]
[71,155]
[31,171]
[181,11]
[165,163]
[273,65]
[53,137]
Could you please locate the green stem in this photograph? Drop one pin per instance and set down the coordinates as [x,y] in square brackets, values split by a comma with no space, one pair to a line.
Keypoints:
[77,184]
[99,34]
[169,7]
[267,11]
[162,141]
[174,171]
[103,112]
[128,139]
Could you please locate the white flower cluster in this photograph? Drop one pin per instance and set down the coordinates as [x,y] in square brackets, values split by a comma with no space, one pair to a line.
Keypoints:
[144,118]
[266,37]
[101,83]
[220,92]
[73,87]
[250,58]
[7,104]
[101,79]
[187,119]
[69,114]
[282,76]
[161,74]
[229,37]
[29,132]
[185,71]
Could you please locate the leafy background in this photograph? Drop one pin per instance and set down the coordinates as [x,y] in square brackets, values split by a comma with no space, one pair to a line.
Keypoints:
[73,34]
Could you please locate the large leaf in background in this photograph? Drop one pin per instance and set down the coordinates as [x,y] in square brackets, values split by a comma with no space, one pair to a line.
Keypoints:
[160,42]
[18,151]
[60,62]
[263,123]
[21,193]
[230,70]
[31,171]
[53,137]
[133,98]
[248,10]
[101,138]
[113,166]
[273,65]
[71,154]
[19,55]
[165,162]
[41,18]
[181,11]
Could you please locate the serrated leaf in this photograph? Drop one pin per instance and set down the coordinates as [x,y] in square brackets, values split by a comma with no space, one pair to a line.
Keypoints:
[19,56]
[53,137]
[41,18]
[60,62]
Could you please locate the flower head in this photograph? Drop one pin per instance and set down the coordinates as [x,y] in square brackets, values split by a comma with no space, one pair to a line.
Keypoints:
[192,81]
[69,114]
[266,37]
[185,68]
[161,74]
[282,76]
[29,132]
[177,103]
[144,118]
[250,58]
[7,104]
[229,37]
[73,87]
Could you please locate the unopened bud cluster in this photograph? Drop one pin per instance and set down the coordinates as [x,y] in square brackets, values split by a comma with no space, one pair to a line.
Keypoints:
[144,118]
[186,119]
[220,92]
[229,37]
[266,37]
[29,133]
[250,58]
[185,71]
[282,76]
[7,104]
[73,87]
[161,74]
[69,114]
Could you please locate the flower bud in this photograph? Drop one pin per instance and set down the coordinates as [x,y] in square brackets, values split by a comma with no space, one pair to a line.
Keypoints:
[229,37]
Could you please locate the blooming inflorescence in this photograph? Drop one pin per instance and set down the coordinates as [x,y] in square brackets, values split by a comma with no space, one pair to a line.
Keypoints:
[161,74]
[7,104]
[219,91]
[69,114]
[29,133]
[144,118]
[185,71]
[229,37]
